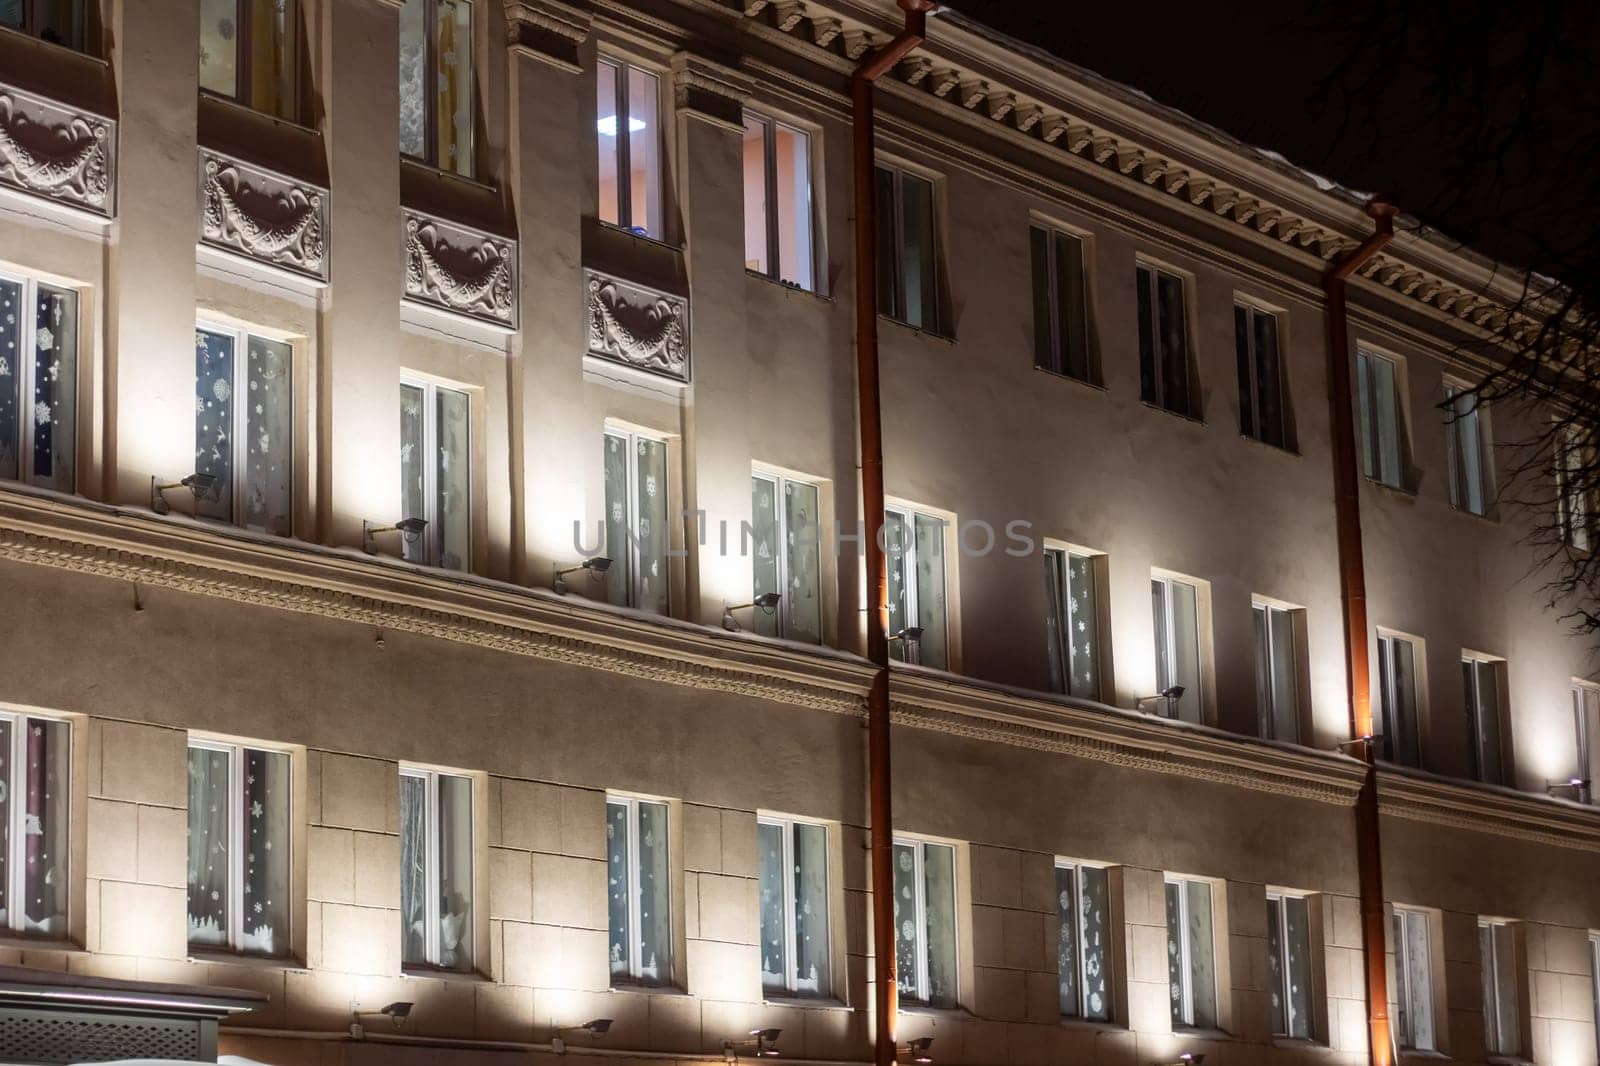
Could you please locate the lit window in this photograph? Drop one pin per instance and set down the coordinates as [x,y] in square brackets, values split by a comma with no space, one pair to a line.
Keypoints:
[249,51]
[1163,341]
[908,265]
[435,869]
[1378,390]
[1574,462]
[1289,965]
[238,871]
[1397,700]
[34,756]
[1497,955]
[38,383]
[435,473]
[1464,424]
[436,83]
[925,922]
[1586,723]
[786,556]
[1413,980]
[243,428]
[1083,947]
[1060,303]
[639,877]
[57,21]
[1073,622]
[794,907]
[916,559]
[777,201]
[637,534]
[627,116]
[1481,681]
[1261,385]
[1191,954]
[1277,673]
[1175,608]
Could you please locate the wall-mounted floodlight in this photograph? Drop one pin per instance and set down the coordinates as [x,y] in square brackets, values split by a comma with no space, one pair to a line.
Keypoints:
[1168,696]
[767,601]
[910,640]
[760,1044]
[396,1012]
[597,565]
[1576,788]
[198,483]
[917,1051]
[595,1027]
[1358,745]
[408,528]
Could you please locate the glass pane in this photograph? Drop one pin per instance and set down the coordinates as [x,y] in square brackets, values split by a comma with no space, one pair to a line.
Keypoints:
[1144,287]
[45,874]
[1186,648]
[273,54]
[774,939]
[266,858]
[1386,411]
[655,885]
[654,530]
[1471,452]
[7,741]
[793,164]
[1055,635]
[1158,614]
[644,158]
[455,872]
[919,267]
[209,853]
[764,551]
[55,382]
[888,206]
[455,86]
[755,195]
[1285,698]
[1298,923]
[11,364]
[1044,343]
[931,591]
[1072,319]
[453,507]
[413,869]
[1276,984]
[803,544]
[1241,348]
[1083,623]
[1174,344]
[1420,984]
[1264,708]
[1269,379]
[219,46]
[413,78]
[619,546]
[605,110]
[618,885]
[1490,988]
[1177,976]
[1094,904]
[269,457]
[939,878]
[906,932]
[413,468]
[213,421]
[1067,940]
[1401,717]
[896,545]
[58,21]
[1369,447]
[1202,959]
[811,955]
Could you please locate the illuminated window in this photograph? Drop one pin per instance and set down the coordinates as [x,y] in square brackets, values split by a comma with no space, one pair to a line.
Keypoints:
[925,922]
[777,201]
[35,754]
[1083,945]
[38,383]
[249,52]
[436,914]
[637,533]
[639,874]
[908,260]
[1497,957]
[1072,622]
[1191,954]
[1482,683]
[238,873]
[794,907]
[436,474]
[786,556]
[1413,980]
[1175,609]
[916,550]
[1397,700]
[1163,341]
[627,123]
[1468,450]
[1378,393]
[1586,723]
[1262,404]
[436,83]
[1277,673]
[57,21]
[1060,303]
[244,428]
[1574,461]
[1289,962]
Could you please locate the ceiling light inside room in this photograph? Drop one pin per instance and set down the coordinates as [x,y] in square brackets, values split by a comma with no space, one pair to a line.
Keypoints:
[608,125]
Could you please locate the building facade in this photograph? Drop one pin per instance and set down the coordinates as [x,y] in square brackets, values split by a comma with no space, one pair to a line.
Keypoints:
[308,432]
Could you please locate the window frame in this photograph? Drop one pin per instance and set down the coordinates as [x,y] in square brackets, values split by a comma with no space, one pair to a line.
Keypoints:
[235,751]
[1371,427]
[1495,1039]
[1267,715]
[1594,979]
[790,978]
[1251,358]
[1403,916]
[1586,725]
[899,172]
[1472,663]
[240,336]
[1185,948]
[634,977]
[17,871]
[1278,904]
[244,61]
[430,92]
[1388,691]
[1055,312]
[1167,663]
[908,515]
[30,26]
[919,846]
[770,124]
[1456,421]
[633,563]
[433,535]
[624,147]
[433,875]
[1154,271]
[1110,951]
[779,481]
[27,370]
[1575,506]
[1060,612]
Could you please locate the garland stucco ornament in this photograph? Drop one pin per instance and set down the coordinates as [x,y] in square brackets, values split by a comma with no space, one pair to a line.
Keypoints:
[263,216]
[638,327]
[56,153]
[460,270]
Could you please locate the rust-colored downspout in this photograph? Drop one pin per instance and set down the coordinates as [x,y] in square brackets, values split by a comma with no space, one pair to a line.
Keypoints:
[1352,575]
[871,429]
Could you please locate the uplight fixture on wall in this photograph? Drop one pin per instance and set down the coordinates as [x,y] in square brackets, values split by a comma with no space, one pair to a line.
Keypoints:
[596,1027]
[597,565]
[917,1051]
[910,640]
[767,601]
[199,484]
[1576,788]
[1170,696]
[760,1044]
[408,528]
[396,1012]
[1358,745]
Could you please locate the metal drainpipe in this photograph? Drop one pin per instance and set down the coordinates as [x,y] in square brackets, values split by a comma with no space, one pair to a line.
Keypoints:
[871,429]
[1352,574]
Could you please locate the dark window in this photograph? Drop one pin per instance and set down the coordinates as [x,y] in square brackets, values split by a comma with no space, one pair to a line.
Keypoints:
[249,51]
[56,21]
[1261,406]
[1060,307]
[908,268]
[1163,342]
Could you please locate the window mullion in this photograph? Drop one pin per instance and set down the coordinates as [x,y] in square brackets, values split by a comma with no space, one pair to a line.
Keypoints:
[431,837]
[17,861]
[1080,933]
[901,302]
[769,160]
[237,446]
[791,976]
[624,148]
[242,55]
[635,887]
[919,871]
[235,803]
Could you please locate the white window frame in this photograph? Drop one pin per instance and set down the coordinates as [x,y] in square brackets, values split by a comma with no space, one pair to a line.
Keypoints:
[16,864]
[1184,946]
[433,535]
[236,823]
[908,515]
[919,874]
[432,873]
[1388,689]
[781,526]
[1083,1014]
[1478,411]
[635,974]
[25,370]
[1277,900]
[1253,311]
[1266,716]
[1059,345]
[1367,401]
[1404,978]
[1170,666]
[786,825]
[1155,271]
[933,318]
[1584,695]
[630,438]
[1475,695]
[1494,1039]
[624,140]
[770,124]
[1594,979]
[1062,595]
[240,336]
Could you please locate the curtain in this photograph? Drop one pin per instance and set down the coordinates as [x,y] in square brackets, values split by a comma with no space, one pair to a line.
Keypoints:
[414,868]
[931,608]
[939,879]
[453,480]
[266,859]
[764,548]
[619,547]
[654,530]
[213,421]
[802,543]
[413,469]
[770,869]
[811,957]
[453,72]
[455,872]
[209,847]
[55,379]
[268,455]
[413,62]
[219,46]
[1094,909]
[1067,939]
[11,364]
[896,548]
[907,935]
[619,883]
[1083,624]
[655,886]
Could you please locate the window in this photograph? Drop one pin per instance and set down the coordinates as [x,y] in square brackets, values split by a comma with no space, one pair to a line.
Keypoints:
[243,428]
[787,556]
[248,52]
[1175,606]
[1261,392]
[636,520]
[1575,459]
[1289,965]
[1397,700]
[627,119]
[436,869]
[915,544]
[34,756]
[908,264]
[1060,303]
[436,83]
[1480,679]
[1191,954]
[925,922]
[1378,386]
[239,844]
[1413,979]
[1594,980]
[1586,722]
[777,201]
[794,907]
[38,383]
[57,21]
[1083,947]
[1467,448]
[1277,673]
[1497,953]
[435,473]
[1163,341]
[639,877]
[1072,626]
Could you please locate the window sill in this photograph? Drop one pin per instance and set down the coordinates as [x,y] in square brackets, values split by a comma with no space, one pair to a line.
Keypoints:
[1182,416]
[471,977]
[659,242]
[648,990]
[1423,1055]
[821,1003]
[1508,1060]
[1090,1025]
[787,286]
[19,942]
[1299,1043]
[232,102]
[54,46]
[922,1010]
[433,170]
[1399,490]
[1276,449]
[1083,382]
[1492,519]
[253,962]
[1201,1034]
[933,335]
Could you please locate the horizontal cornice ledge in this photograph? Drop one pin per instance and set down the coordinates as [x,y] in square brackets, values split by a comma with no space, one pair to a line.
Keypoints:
[548,30]
[1487,809]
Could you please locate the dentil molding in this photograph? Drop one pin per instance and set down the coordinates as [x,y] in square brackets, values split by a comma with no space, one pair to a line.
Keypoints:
[460,270]
[57,153]
[264,216]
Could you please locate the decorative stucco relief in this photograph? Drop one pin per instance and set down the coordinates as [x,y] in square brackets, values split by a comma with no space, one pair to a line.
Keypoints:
[263,216]
[461,270]
[57,153]
[638,327]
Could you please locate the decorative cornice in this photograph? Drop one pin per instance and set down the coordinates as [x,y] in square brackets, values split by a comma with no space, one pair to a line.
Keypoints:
[1483,809]
[262,215]
[460,270]
[57,153]
[548,30]
[637,327]
[708,90]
